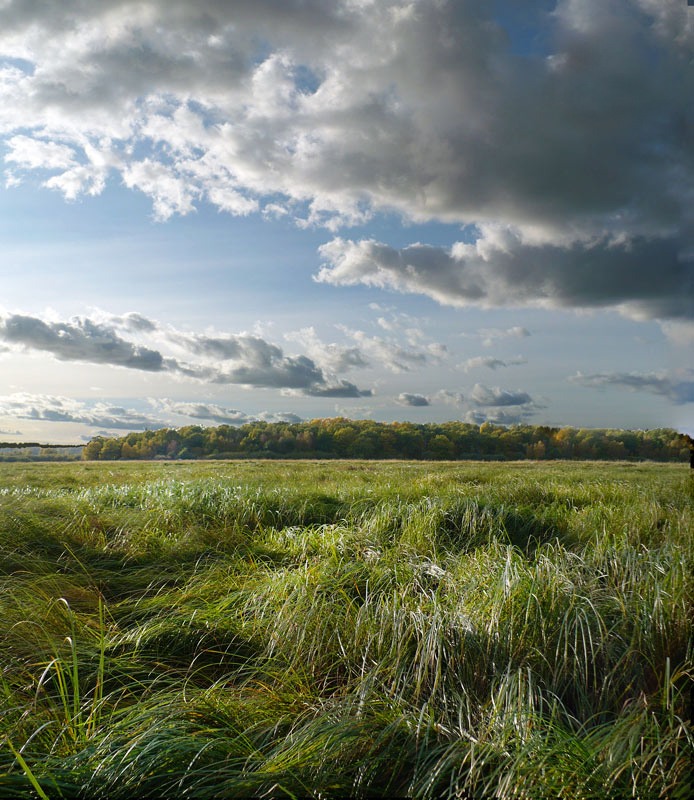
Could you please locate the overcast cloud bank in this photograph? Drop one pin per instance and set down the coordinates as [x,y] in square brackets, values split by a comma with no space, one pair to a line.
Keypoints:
[570,160]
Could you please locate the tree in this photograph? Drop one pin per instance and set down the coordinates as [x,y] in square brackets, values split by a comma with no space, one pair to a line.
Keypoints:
[536,450]
[92,450]
[441,447]
[110,450]
[343,438]
[129,450]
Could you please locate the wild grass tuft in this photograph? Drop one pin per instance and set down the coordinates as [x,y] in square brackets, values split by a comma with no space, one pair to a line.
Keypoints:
[285,630]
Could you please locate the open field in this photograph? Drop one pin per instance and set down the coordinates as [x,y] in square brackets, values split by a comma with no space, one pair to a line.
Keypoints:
[217,629]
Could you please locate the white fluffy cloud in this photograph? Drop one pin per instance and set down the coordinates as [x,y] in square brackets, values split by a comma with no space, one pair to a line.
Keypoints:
[575,151]
[35,153]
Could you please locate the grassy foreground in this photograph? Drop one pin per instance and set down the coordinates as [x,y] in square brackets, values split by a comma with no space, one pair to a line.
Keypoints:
[212,630]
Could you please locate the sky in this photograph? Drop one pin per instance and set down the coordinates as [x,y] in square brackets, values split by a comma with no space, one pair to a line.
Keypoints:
[426,210]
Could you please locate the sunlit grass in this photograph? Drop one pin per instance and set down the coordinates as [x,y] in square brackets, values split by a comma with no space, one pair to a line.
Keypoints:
[449,630]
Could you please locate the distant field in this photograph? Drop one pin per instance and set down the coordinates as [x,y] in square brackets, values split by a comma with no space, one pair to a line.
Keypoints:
[452,629]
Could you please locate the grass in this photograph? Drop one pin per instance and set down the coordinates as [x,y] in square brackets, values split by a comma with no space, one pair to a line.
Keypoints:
[214,630]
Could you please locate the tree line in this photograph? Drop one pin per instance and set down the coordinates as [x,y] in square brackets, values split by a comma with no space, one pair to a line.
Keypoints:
[24,445]
[339,437]
[35,451]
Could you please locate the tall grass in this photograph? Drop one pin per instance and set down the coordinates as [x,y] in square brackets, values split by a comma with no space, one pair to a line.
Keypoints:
[449,630]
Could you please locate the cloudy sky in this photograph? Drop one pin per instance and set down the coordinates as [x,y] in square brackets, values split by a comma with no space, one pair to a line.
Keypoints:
[229,210]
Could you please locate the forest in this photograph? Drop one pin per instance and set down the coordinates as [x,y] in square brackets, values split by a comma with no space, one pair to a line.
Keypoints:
[339,437]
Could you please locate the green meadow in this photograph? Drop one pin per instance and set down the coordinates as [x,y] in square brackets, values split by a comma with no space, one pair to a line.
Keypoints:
[366,629]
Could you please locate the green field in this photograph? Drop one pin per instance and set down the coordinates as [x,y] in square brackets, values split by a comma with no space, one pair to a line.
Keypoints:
[218,629]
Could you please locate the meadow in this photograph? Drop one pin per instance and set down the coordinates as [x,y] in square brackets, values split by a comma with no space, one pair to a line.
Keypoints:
[366,629]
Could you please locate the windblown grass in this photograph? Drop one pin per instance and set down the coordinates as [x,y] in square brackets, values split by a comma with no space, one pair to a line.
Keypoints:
[272,629]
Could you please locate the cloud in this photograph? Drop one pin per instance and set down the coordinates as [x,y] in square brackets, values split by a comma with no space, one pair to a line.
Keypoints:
[211,412]
[449,397]
[485,396]
[356,412]
[407,399]
[252,361]
[393,355]
[204,411]
[490,362]
[501,268]
[340,389]
[131,321]
[337,110]
[500,406]
[37,154]
[10,433]
[442,396]
[676,387]
[226,358]
[275,373]
[680,333]
[332,357]
[280,416]
[398,321]
[52,408]
[498,416]
[80,339]
[490,336]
